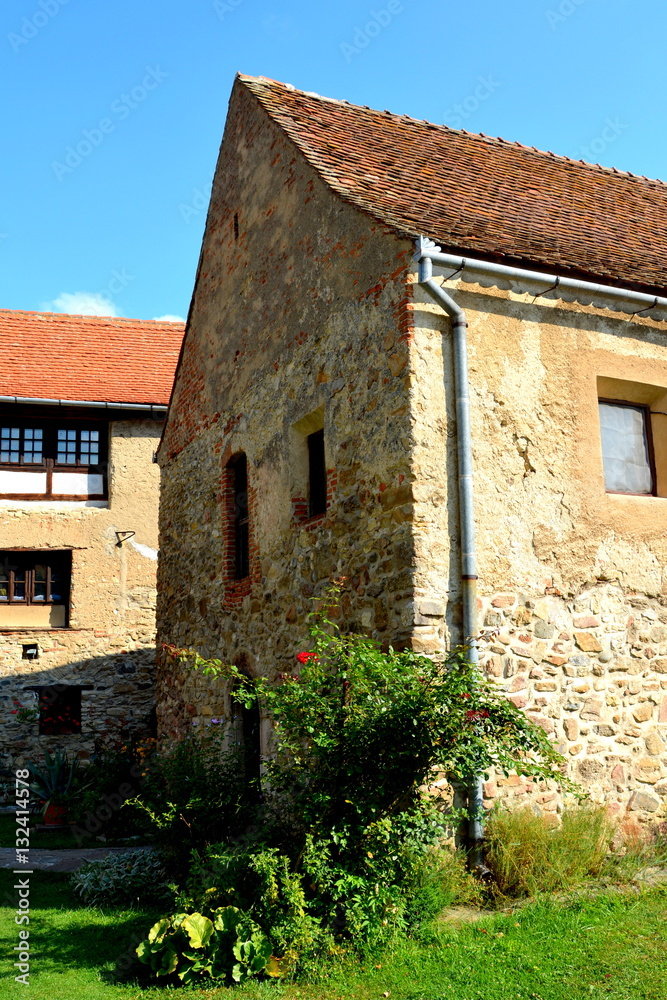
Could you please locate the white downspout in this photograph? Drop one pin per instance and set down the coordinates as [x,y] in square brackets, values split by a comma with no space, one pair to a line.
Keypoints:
[475,790]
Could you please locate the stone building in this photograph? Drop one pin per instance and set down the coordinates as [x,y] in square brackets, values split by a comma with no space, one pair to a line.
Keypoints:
[323,423]
[82,405]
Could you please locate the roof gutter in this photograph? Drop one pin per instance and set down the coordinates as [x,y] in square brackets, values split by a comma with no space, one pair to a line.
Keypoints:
[619,299]
[29,400]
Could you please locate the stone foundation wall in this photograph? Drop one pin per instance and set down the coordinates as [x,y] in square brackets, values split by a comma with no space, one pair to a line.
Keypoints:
[593,673]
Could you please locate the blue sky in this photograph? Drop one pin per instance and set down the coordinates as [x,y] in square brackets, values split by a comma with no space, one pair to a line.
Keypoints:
[142,88]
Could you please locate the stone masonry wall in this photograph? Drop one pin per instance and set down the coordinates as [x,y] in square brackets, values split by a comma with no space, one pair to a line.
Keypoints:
[572,580]
[301,322]
[305,315]
[110,642]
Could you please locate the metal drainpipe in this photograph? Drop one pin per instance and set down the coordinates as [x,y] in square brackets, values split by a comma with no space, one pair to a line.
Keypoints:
[475,789]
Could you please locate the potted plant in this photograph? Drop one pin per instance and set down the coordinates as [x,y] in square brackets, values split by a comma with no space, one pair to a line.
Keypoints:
[52,785]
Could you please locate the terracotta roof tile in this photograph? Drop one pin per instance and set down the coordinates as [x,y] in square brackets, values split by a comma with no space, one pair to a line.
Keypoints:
[96,358]
[480,195]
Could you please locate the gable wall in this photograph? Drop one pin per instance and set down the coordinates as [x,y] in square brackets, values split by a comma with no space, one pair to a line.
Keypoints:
[308,309]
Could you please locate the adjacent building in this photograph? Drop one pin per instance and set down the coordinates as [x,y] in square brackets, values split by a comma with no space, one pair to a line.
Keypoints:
[82,405]
[323,423]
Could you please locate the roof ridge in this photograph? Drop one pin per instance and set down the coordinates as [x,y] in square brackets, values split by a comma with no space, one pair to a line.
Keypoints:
[83,316]
[496,140]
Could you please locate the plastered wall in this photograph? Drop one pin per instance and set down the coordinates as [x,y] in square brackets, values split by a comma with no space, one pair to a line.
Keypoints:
[571,578]
[109,646]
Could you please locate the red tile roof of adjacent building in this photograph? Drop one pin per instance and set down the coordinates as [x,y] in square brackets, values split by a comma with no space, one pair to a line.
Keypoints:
[479,195]
[88,358]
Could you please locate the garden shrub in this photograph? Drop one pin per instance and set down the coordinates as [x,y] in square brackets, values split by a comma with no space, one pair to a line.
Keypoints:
[126,879]
[98,806]
[440,878]
[195,793]
[343,845]
[528,854]
[261,883]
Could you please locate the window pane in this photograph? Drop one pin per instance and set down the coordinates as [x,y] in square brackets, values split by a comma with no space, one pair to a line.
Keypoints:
[317,474]
[67,447]
[19,585]
[32,446]
[625,449]
[39,587]
[56,586]
[10,444]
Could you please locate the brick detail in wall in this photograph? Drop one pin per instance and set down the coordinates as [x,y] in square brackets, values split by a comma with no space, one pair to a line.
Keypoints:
[235,590]
[300,506]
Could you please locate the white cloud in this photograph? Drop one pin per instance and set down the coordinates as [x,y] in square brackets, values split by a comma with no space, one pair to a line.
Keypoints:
[168,318]
[82,304]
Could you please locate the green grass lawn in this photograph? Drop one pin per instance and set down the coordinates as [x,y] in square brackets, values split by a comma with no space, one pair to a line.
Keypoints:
[612,946]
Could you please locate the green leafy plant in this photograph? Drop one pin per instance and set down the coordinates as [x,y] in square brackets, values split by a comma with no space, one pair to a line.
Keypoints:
[24,713]
[125,879]
[113,776]
[53,782]
[194,793]
[261,882]
[358,730]
[228,945]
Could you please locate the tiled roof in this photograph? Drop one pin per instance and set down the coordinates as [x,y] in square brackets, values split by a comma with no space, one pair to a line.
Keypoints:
[479,195]
[91,358]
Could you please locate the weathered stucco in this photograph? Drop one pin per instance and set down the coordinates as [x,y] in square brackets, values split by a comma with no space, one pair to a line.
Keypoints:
[304,306]
[110,641]
[306,311]
[571,578]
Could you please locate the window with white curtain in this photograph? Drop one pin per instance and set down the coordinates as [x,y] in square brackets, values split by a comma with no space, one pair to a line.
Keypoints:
[626,454]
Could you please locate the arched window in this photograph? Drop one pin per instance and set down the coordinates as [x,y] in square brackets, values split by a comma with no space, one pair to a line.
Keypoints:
[238,535]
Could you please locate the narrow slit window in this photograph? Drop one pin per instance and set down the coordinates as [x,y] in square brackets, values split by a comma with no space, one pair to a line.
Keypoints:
[317,474]
[626,449]
[239,469]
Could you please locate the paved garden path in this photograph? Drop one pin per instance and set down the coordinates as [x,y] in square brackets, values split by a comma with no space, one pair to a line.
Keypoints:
[59,861]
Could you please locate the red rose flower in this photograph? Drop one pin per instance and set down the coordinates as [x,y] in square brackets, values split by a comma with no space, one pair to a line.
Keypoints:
[473,715]
[304,657]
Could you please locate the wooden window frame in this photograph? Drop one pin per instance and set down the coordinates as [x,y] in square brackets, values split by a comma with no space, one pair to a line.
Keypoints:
[62,558]
[50,426]
[648,431]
